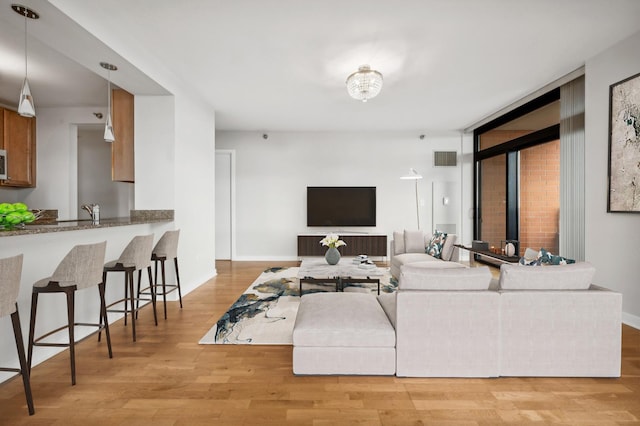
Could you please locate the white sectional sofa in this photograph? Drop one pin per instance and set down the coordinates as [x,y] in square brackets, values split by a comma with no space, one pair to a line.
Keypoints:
[554,322]
[410,247]
[446,322]
[343,333]
[542,321]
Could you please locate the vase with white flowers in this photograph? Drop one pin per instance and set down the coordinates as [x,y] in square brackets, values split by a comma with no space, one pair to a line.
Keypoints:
[332,241]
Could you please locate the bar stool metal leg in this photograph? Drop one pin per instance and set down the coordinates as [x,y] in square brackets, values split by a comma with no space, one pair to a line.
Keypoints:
[10,275]
[71,322]
[24,368]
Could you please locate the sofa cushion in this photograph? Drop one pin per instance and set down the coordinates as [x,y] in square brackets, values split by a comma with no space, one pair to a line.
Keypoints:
[413,242]
[406,258]
[421,278]
[388,303]
[398,242]
[431,264]
[434,248]
[447,249]
[575,276]
[342,320]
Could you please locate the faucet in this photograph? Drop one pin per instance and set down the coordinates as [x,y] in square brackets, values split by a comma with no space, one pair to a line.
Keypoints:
[94,211]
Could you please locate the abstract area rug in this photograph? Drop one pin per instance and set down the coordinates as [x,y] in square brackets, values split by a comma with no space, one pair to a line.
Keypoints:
[265,313]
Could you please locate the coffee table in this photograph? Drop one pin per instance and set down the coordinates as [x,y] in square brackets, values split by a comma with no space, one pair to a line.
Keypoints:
[345,272]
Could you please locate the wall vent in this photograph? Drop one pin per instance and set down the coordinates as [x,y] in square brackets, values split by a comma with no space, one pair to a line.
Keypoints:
[445,158]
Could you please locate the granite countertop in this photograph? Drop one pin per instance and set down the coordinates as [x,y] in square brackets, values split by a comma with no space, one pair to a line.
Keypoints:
[136,217]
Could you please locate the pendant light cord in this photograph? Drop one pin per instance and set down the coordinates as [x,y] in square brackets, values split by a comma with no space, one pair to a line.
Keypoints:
[25,43]
[109,92]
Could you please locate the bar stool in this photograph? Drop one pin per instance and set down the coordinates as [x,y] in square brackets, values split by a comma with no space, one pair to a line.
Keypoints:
[135,257]
[10,273]
[166,248]
[81,268]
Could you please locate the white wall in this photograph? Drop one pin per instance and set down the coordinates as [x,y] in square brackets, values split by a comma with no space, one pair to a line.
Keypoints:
[194,187]
[612,240]
[155,152]
[94,177]
[175,164]
[272,176]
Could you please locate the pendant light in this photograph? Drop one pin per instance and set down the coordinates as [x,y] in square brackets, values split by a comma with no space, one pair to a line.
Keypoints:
[108,126]
[26,106]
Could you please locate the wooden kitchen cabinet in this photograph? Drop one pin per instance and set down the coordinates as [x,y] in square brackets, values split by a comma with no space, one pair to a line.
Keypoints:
[18,138]
[122,150]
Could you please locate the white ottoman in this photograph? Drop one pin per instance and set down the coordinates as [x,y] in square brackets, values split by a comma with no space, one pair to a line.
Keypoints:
[343,333]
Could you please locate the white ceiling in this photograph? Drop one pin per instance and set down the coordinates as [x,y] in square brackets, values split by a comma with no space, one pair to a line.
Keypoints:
[281,65]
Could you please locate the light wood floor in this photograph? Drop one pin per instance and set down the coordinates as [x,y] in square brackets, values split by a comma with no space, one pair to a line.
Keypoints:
[166,378]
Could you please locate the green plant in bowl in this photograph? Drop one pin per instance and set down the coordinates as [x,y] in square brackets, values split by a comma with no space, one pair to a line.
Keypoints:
[16,215]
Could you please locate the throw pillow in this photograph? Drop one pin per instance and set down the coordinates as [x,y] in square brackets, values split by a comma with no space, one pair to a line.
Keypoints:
[413,242]
[530,258]
[435,245]
[551,259]
[398,242]
[543,257]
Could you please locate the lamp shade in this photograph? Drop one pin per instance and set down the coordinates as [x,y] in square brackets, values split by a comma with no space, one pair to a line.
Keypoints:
[25,106]
[108,129]
[364,84]
[413,175]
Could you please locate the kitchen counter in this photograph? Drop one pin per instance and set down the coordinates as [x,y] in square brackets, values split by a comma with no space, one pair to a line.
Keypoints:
[45,244]
[137,217]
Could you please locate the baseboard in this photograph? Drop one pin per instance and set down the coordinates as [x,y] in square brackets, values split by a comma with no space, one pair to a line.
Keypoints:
[265,259]
[631,320]
[193,284]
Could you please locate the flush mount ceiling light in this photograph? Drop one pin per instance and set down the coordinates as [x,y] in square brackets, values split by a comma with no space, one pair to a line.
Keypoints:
[26,106]
[108,126]
[364,84]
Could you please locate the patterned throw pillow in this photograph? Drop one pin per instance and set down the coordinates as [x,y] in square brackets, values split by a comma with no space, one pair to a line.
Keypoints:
[551,259]
[436,243]
[545,258]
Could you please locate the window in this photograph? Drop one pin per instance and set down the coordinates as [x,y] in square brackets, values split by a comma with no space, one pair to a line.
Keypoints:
[517,176]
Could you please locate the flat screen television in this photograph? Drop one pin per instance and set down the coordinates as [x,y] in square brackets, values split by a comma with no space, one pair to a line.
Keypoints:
[341,206]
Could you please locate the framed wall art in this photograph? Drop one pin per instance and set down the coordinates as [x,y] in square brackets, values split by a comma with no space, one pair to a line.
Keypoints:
[624,146]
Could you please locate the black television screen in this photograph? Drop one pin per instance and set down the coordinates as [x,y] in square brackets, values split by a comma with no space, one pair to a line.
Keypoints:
[341,206]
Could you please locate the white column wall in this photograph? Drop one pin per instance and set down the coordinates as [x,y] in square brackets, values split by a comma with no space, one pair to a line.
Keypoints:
[154,152]
[272,176]
[194,187]
[612,240]
[175,163]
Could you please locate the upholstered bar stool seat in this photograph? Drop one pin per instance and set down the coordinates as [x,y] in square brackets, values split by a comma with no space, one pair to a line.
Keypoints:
[81,268]
[10,273]
[135,257]
[165,249]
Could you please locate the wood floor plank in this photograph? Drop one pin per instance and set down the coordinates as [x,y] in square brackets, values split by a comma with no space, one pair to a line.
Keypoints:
[167,378]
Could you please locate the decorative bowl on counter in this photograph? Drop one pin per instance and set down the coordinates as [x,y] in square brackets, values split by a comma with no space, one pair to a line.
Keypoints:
[16,215]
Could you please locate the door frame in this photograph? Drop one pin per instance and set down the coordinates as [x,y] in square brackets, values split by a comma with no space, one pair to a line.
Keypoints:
[232,159]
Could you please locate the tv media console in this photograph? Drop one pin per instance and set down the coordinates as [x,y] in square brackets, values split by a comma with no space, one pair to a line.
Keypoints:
[369,244]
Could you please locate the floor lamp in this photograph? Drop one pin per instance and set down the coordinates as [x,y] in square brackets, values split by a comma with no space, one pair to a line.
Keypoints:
[415,176]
